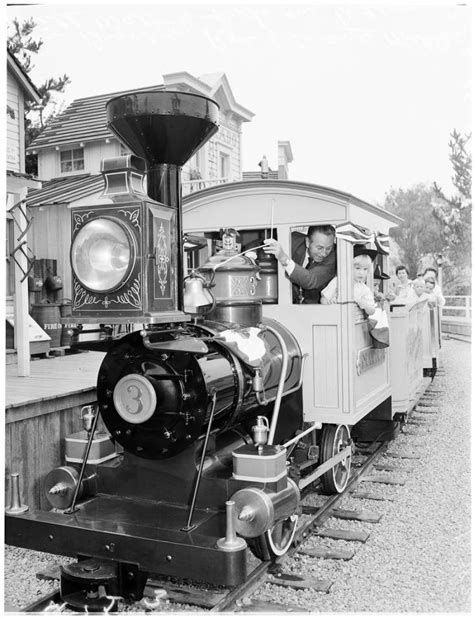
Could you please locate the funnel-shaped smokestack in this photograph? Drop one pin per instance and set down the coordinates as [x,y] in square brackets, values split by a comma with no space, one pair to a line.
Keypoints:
[165,128]
[162,126]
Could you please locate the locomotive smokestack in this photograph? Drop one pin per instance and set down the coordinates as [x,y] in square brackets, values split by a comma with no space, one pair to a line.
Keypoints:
[165,128]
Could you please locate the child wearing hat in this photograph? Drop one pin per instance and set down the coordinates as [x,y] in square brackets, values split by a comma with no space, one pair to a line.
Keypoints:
[380,276]
[363,296]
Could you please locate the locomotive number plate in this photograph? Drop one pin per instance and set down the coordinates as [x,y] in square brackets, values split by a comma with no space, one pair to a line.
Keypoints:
[134,398]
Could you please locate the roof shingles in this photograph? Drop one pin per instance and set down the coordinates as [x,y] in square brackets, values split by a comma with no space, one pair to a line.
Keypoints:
[83,120]
[65,190]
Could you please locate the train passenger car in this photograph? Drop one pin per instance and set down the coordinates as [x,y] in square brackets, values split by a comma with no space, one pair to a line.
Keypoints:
[407,354]
[346,378]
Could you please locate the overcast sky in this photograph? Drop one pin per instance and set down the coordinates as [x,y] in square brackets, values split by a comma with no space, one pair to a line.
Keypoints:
[366,95]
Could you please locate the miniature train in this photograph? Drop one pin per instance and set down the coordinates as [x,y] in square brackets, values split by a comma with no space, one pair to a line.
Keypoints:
[222,400]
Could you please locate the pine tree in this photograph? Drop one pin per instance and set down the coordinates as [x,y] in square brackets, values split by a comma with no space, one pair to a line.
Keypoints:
[455,213]
[23,46]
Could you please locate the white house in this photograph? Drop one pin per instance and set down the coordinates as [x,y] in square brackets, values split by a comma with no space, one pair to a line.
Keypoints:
[19,90]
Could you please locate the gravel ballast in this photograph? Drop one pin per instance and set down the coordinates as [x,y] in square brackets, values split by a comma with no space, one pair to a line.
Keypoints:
[417,558]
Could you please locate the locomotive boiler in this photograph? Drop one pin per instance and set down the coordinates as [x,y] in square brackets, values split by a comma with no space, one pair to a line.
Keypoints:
[200,394]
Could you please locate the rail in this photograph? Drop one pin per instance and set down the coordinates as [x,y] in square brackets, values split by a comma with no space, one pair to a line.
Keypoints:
[457,307]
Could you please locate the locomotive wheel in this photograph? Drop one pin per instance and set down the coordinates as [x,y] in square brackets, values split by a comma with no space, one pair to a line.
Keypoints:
[276,541]
[335,438]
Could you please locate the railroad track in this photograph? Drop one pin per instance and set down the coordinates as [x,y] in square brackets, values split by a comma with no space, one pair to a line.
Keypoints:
[366,468]
[313,518]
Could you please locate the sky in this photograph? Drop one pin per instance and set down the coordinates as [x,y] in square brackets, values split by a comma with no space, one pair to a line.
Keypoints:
[367,95]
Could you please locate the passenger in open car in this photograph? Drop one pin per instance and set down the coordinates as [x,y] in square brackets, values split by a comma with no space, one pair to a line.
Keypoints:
[363,295]
[313,261]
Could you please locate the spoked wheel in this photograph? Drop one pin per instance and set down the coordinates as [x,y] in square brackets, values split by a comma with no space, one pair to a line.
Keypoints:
[276,541]
[335,438]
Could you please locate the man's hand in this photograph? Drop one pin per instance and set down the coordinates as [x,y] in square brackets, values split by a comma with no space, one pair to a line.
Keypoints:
[273,246]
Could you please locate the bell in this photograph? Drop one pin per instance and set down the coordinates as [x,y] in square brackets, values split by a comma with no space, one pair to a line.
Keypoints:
[197,298]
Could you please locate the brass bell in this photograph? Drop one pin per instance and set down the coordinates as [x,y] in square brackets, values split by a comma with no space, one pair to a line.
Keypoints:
[197,298]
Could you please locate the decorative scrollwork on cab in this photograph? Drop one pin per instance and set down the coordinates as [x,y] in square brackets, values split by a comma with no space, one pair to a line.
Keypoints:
[133,216]
[79,219]
[83,297]
[162,258]
[132,296]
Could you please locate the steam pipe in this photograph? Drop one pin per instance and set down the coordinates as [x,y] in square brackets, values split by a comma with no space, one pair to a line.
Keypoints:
[281,383]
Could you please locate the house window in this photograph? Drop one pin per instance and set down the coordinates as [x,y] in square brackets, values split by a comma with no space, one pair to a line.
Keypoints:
[224,165]
[72,160]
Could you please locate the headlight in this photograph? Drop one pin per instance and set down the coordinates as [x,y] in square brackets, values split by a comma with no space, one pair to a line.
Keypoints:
[102,255]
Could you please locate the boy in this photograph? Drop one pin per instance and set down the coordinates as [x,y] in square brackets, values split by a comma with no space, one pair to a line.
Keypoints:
[363,296]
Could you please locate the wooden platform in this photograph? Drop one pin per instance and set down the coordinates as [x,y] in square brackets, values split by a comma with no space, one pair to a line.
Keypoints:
[40,411]
[52,377]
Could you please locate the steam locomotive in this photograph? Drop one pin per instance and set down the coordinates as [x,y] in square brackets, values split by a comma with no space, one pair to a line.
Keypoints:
[216,422]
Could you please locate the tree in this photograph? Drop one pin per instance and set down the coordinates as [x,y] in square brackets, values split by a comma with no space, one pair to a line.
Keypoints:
[455,213]
[23,46]
[420,230]
[435,227]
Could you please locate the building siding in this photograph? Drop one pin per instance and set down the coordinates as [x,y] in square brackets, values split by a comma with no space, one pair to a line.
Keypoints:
[15,151]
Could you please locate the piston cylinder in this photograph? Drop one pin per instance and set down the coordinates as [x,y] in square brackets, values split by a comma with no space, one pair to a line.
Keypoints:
[258,511]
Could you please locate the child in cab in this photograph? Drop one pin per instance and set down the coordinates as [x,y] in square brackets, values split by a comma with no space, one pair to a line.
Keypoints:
[363,295]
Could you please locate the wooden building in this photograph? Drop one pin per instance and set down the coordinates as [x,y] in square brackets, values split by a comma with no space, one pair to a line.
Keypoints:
[20,90]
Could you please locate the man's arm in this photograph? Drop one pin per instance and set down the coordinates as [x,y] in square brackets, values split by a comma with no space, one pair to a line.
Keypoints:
[307,279]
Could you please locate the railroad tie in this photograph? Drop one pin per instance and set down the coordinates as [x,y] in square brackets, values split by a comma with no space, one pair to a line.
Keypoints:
[387,467]
[311,509]
[382,478]
[254,606]
[291,580]
[184,594]
[343,535]
[353,515]
[369,495]
[402,455]
[327,554]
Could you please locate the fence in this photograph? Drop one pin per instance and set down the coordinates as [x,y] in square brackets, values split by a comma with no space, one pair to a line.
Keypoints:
[458,307]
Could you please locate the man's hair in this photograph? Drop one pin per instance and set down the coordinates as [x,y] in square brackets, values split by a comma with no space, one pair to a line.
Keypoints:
[401,267]
[328,230]
[433,269]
